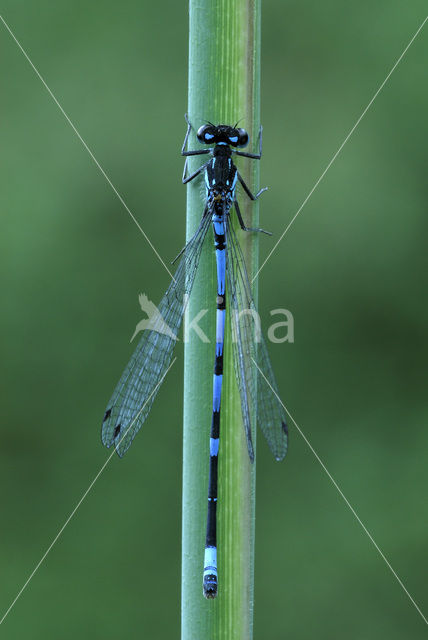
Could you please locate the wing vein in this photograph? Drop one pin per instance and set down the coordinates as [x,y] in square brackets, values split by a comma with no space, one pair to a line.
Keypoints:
[257,387]
[135,392]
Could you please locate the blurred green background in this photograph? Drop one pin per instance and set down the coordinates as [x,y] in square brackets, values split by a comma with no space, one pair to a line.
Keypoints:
[352,270]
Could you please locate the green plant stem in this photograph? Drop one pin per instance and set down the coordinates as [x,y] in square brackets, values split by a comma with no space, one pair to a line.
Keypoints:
[224,70]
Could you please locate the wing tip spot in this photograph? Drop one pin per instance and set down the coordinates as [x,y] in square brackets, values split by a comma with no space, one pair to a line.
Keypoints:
[116,431]
[251,451]
[107,415]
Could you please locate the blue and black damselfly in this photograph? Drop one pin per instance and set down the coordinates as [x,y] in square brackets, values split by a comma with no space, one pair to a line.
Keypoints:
[133,397]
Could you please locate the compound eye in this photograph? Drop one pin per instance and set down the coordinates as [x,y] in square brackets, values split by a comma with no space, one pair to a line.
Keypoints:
[242,138]
[206,134]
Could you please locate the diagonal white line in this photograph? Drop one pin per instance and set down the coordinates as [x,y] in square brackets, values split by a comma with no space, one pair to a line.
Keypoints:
[121,200]
[26,583]
[354,513]
[341,147]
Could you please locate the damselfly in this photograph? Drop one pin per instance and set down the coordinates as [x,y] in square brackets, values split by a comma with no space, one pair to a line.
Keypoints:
[133,397]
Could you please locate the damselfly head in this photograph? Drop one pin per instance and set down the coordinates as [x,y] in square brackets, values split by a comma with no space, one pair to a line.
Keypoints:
[222,133]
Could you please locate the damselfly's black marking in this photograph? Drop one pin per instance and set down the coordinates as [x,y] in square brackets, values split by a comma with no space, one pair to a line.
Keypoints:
[135,392]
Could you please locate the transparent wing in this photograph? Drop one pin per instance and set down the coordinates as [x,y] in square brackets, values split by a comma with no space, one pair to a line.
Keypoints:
[257,384]
[135,392]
